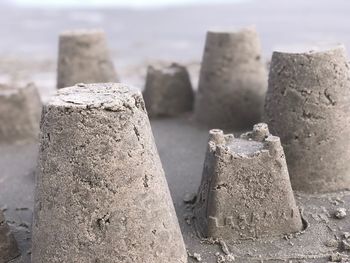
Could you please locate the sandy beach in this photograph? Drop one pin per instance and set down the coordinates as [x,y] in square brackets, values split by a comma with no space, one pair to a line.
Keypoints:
[137,38]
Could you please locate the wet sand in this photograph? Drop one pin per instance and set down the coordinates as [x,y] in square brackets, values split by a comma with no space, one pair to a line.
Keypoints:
[181,146]
[29,36]
[28,53]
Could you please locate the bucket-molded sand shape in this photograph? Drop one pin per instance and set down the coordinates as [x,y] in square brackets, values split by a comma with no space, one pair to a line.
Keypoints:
[83,56]
[233,80]
[168,91]
[20,109]
[245,191]
[8,245]
[308,107]
[101,193]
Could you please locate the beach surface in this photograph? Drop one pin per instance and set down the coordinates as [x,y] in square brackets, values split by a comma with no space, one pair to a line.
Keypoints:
[137,38]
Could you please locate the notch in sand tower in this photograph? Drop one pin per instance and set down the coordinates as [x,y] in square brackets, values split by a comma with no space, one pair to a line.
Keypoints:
[168,91]
[101,193]
[245,191]
[20,109]
[307,105]
[232,82]
[8,245]
[83,56]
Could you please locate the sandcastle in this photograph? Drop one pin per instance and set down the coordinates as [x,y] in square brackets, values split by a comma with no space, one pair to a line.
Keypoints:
[168,91]
[307,105]
[8,245]
[101,193]
[20,109]
[245,191]
[83,56]
[232,82]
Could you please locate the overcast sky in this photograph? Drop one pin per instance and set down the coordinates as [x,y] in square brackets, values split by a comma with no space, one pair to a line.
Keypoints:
[122,3]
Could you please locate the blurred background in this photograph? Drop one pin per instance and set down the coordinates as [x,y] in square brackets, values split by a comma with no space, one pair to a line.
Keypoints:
[141,32]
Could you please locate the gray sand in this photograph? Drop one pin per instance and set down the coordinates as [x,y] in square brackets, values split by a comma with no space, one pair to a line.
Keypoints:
[30,53]
[8,245]
[20,109]
[182,157]
[232,80]
[101,193]
[245,192]
[84,56]
[307,106]
[168,91]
